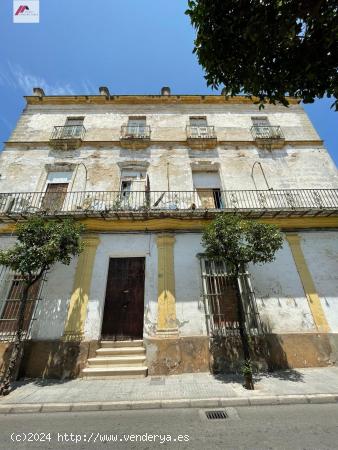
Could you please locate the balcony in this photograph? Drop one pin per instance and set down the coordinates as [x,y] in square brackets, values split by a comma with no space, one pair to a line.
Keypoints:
[268,136]
[117,204]
[135,137]
[201,137]
[68,137]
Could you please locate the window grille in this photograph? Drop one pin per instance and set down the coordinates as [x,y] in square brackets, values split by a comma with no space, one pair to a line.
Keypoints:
[220,299]
[11,289]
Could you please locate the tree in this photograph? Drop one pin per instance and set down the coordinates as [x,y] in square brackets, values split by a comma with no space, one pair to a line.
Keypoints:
[239,242]
[40,244]
[268,48]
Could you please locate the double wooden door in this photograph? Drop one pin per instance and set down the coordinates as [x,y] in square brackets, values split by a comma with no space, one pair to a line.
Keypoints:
[124,303]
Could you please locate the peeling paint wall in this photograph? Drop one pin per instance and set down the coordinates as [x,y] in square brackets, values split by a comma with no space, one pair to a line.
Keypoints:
[321,254]
[294,166]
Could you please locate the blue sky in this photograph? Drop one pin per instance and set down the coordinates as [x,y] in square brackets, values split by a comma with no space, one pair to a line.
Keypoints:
[131,46]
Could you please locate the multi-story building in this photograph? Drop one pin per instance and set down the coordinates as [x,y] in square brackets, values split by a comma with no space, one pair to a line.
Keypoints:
[145,174]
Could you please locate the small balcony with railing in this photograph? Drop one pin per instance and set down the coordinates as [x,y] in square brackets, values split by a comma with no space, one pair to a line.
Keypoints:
[268,136]
[201,137]
[185,204]
[135,136]
[67,137]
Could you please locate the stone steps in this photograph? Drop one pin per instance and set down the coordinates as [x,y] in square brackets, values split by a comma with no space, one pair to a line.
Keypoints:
[118,344]
[114,351]
[104,361]
[117,359]
[114,372]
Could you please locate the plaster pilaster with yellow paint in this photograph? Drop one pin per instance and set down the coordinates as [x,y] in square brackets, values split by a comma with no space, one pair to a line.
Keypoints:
[308,283]
[77,311]
[166,306]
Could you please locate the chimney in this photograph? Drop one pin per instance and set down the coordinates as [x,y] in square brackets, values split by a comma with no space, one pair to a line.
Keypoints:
[104,91]
[165,91]
[38,92]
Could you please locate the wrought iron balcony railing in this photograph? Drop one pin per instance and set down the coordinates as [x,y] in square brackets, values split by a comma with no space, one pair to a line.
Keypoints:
[268,135]
[269,203]
[135,132]
[201,137]
[196,132]
[68,136]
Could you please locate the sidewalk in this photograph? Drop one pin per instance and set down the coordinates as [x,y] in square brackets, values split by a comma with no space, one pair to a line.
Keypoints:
[317,385]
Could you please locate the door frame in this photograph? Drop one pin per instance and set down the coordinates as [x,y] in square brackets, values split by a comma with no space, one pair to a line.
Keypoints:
[122,255]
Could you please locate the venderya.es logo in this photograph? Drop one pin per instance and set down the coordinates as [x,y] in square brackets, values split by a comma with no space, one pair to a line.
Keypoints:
[26,11]
[21,9]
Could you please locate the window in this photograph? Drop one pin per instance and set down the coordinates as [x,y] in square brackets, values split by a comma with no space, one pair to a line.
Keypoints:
[199,128]
[260,121]
[10,304]
[74,121]
[198,121]
[137,127]
[208,187]
[56,190]
[73,127]
[220,298]
[133,186]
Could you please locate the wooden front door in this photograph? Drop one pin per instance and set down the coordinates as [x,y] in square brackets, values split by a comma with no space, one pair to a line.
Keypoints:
[124,304]
[54,196]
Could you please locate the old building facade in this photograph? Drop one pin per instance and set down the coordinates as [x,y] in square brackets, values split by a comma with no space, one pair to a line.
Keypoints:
[145,174]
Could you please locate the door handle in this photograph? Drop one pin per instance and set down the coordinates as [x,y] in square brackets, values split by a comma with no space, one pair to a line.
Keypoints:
[126,291]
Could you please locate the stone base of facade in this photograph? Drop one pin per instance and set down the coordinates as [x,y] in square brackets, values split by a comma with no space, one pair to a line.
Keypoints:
[185,354]
[175,355]
[276,351]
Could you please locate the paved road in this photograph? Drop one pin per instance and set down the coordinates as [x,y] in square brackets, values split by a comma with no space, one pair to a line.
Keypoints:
[261,427]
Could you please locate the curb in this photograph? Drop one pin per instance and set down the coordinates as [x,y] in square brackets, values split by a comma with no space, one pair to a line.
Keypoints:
[17,408]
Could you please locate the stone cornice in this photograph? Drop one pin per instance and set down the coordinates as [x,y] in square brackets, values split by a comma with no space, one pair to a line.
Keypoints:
[144,99]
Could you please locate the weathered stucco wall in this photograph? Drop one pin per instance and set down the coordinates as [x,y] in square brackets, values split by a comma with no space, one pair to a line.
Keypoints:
[280,296]
[296,165]
[321,253]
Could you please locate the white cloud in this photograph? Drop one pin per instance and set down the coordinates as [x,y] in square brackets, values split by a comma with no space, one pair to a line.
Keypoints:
[16,77]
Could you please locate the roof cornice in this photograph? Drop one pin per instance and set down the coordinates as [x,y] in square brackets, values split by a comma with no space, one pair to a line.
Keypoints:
[144,99]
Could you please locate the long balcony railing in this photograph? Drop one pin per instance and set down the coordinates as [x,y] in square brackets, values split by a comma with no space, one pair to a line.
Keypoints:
[293,202]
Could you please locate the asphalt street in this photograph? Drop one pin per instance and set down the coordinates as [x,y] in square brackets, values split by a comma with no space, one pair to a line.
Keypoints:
[261,427]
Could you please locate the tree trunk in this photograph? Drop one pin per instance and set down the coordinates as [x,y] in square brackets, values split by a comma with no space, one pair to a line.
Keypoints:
[244,335]
[17,349]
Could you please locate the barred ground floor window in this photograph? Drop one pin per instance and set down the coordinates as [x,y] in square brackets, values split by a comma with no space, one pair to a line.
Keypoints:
[11,290]
[221,293]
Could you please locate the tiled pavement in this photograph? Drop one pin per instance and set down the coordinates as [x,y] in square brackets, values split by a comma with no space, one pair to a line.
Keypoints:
[187,386]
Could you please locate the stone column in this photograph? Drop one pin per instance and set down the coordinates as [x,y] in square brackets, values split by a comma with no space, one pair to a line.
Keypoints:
[77,310]
[308,283]
[166,306]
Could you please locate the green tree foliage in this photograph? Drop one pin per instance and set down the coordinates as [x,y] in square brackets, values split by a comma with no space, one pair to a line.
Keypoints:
[238,242]
[268,48]
[40,244]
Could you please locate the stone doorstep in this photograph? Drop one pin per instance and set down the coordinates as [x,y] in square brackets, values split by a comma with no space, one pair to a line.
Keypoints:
[16,408]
